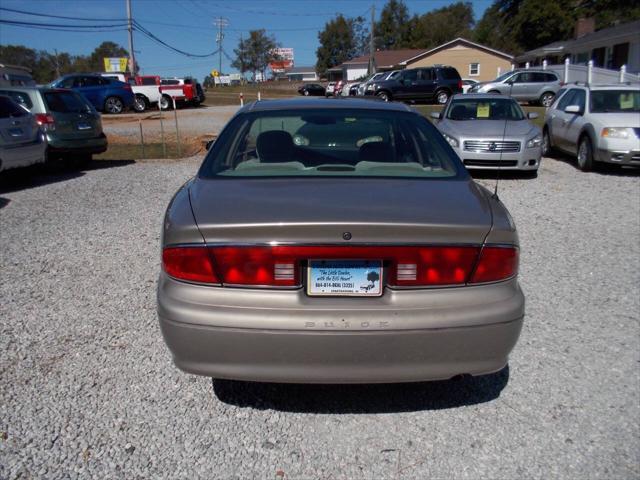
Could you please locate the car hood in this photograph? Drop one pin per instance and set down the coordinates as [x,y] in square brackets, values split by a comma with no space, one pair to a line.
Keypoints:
[320,210]
[486,128]
[616,119]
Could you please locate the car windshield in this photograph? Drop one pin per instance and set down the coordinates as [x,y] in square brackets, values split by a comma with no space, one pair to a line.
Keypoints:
[331,142]
[66,102]
[503,77]
[620,101]
[485,109]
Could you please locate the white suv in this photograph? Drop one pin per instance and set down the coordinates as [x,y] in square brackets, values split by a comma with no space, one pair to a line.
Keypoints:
[597,123]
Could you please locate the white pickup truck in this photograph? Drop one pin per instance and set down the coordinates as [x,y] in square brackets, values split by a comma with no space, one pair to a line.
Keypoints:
[145,88]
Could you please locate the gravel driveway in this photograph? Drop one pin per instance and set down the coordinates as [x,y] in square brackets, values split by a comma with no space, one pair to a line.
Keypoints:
[88,389]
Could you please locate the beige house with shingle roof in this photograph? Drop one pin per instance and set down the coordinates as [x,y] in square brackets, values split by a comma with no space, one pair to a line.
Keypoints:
[472,60]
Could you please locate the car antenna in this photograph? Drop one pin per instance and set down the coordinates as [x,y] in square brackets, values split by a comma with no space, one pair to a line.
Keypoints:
[504,134]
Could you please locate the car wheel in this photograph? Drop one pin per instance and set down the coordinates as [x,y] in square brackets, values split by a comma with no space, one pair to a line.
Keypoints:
[585,154]
[384,96]
[442,97]
[494,92]
[166,103]
[547,99]
[139,104]
[305,93]
[113,105]
[546,147]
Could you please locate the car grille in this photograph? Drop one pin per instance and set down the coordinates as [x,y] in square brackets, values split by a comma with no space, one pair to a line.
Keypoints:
[491,163]
[491,146]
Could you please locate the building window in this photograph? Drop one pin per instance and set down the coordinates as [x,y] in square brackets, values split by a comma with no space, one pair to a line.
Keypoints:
[474,69]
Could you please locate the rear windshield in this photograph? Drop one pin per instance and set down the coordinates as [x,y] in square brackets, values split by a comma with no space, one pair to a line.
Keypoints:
[8,108]
[485,109]
[21,98]
[331,143]
[66,102]
[621,101]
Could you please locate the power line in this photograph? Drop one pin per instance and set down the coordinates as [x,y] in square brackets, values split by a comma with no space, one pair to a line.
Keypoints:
[23,12]
[278,14]
[79,28]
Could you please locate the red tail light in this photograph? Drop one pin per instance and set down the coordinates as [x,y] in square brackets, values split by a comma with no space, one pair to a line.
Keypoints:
[189,263]
[459,84]
[126,86]
[281,266]
[46,121]
[496,263]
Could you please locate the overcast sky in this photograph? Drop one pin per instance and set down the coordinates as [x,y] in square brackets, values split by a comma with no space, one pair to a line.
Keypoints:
[189,26]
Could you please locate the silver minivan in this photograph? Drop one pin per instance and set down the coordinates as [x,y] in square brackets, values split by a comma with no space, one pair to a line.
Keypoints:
[535,86]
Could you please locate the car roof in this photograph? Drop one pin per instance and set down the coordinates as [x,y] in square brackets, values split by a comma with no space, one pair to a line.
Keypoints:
[329,103]
[482,96]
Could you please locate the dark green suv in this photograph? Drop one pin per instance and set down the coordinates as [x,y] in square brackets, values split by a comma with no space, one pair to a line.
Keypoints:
[431,84]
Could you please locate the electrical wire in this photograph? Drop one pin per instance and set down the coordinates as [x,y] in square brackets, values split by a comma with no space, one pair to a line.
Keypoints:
[24,12]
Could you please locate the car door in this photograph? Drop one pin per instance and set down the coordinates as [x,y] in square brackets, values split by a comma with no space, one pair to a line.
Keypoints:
[560,118]
[522,85]
[90,88]
[409,80]
[572,125]
[426,86]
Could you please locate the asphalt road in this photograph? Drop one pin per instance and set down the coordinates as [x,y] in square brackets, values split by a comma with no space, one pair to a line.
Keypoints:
[88,390]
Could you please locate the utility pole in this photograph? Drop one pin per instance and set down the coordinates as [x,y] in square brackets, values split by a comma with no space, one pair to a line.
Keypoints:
[220,22]
[372,61]
[132,57]
[57,63]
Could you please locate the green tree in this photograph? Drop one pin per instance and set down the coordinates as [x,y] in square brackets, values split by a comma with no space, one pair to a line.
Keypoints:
[393,31]
[338,43]
[442,25]
[18,55]
[95,61]
[255,53]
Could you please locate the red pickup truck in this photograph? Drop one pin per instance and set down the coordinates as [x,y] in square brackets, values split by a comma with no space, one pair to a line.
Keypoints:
[184,90]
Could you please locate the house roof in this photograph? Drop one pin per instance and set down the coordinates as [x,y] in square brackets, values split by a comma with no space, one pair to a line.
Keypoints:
[385,58]
[566,46]
[458,41]
[298,70]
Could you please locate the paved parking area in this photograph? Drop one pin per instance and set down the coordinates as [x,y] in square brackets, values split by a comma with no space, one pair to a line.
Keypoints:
[87,388]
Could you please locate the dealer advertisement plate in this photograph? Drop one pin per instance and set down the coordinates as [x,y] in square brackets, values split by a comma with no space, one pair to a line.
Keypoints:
[350,278]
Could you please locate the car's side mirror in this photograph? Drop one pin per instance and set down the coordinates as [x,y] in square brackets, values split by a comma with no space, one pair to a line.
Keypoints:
[436,115]
[532,115]
[573,109]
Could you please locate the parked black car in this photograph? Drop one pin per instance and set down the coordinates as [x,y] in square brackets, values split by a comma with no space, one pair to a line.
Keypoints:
[435,83]
[313,89]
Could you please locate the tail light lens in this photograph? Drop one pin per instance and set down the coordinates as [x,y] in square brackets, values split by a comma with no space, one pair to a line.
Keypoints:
[496,263]
[280,266]
[46,121]
[459,84]
[189,263]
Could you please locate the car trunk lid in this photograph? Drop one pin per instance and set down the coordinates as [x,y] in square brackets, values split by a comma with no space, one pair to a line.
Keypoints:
[73,116]
[336,210]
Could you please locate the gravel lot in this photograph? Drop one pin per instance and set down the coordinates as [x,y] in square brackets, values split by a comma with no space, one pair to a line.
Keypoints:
[88,389]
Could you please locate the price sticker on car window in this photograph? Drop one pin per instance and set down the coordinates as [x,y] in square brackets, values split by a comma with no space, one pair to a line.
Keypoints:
[483,110]
[626,101]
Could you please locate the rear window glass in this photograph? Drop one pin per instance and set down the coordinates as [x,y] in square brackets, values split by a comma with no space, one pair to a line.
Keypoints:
[621,101]
[66,102]
[21,98]
[449,73]
[169,82]
[331,143]
[8,108]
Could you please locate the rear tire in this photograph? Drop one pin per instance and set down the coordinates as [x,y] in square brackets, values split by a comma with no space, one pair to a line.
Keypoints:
[546,147]
[546,99]
[442,97]
[585,154]
[166,103]
[113,105]
[140,104]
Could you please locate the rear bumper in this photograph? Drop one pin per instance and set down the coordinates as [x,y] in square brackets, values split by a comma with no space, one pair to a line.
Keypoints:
[78,146]
[24,155]
[285,336]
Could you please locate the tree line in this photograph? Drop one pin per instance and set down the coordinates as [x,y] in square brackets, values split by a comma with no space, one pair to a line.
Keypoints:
[47,66]
[513,26]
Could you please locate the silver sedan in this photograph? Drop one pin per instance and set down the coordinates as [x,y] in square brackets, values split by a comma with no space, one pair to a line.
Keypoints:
[491,132]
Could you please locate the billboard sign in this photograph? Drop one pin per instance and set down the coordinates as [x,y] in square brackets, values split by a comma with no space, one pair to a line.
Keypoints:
[284,53]
[115,64]
[280,66]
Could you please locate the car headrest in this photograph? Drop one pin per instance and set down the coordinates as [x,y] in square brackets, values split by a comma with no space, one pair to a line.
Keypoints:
[459,112]
[274,146]
[376,152]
